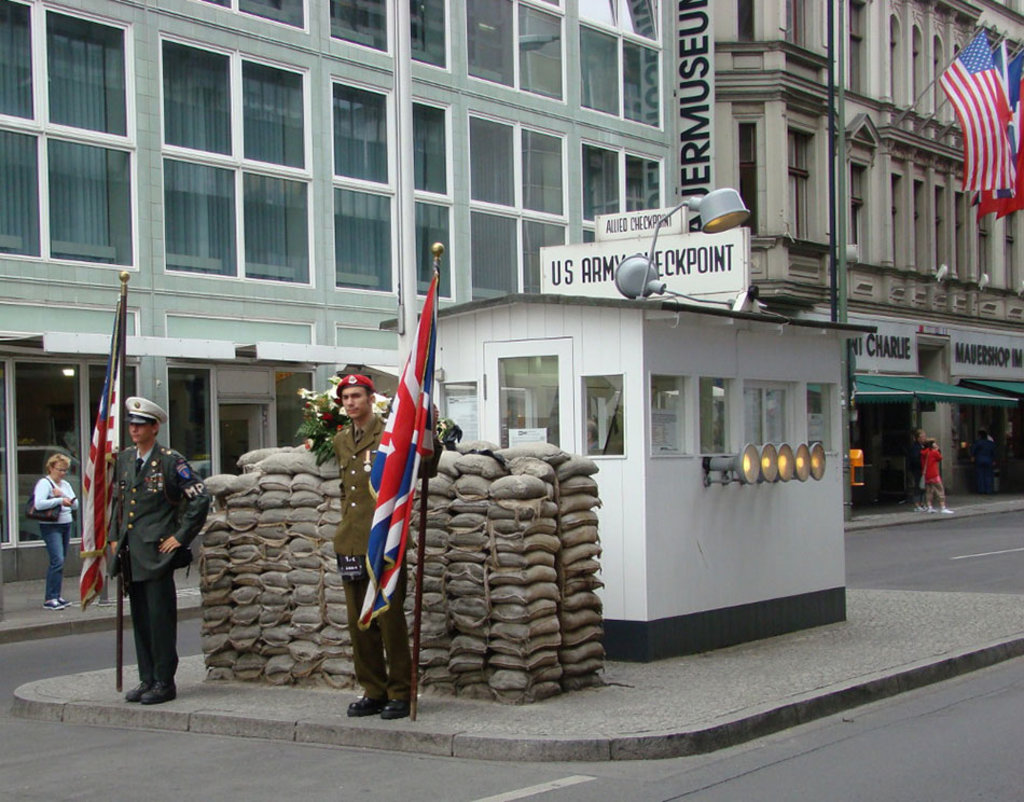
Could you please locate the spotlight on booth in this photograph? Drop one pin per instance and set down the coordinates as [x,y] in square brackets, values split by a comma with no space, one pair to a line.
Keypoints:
[802,463]
[786,462]
[817,461]
[744,467]
[769,462]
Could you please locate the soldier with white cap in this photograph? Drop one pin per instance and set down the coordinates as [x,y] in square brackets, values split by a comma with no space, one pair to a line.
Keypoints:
[163,507]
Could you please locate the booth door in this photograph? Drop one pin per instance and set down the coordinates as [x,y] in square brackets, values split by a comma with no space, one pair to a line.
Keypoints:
[528,393]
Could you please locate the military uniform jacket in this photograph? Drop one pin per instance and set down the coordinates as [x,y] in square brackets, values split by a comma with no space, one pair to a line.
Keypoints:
[165,498]
[357,500]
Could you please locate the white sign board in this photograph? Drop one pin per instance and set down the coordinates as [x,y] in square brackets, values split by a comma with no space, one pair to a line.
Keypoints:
[891,349]
[630,225]
[715,266]
[981,355]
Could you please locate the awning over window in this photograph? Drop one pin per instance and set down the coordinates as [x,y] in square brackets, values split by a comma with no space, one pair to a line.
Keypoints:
[876,389]
[1004,387]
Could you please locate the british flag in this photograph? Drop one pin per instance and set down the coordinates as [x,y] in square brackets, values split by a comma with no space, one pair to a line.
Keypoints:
[98,482]
[407,439]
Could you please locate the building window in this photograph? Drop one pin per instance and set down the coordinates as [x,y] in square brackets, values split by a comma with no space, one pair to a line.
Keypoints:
[917,62]
[745,20]
[489,40]
[433,205]
[796,22]
[940,233]
[363,22]
[88,187]
[188,417]
[764,414]
[288,413]
[1010,258]
[360,134]
[362,240]
[619,71]
[528,408]
[819,425]
[748,170]
[938,65]
[494,27]
[857,173]
[521,170]
[432,225]
[667,421]
[603,416]
[614,181]
[540,52]
[714,415]
[984,248]
[898,219]
[895,59]
[206,195]
[799,184]
[856,45]
[921,228]
[428,32]
[287,12]
[429,149]
[960,229]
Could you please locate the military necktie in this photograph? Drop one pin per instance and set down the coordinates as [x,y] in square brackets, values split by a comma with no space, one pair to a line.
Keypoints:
[138,465]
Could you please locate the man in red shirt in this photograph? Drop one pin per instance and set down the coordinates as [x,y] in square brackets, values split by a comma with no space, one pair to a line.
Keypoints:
[931,459]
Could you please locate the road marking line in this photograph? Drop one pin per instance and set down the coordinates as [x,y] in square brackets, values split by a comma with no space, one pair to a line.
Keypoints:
[985,554]
[533,790]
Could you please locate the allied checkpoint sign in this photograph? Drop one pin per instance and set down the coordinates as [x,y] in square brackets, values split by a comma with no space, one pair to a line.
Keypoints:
[707,267]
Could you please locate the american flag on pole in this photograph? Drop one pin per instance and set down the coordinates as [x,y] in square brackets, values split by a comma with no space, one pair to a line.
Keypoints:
[1005,201]
[976,90]
[98,482]
[407,438]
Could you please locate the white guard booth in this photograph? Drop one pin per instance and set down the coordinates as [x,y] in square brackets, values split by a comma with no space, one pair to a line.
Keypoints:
[692,560]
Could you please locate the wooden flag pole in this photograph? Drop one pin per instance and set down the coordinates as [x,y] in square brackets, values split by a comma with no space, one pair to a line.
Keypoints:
[417,601]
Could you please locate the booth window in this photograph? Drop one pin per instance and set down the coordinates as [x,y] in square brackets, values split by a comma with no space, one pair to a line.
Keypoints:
[714,415]
[667,431]
[818,423]
[461,405]
[528,400]
[764,414]
[188,394]
[288,413]
[603,421]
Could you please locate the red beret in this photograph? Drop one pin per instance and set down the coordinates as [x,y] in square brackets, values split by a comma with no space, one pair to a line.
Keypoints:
[354,380]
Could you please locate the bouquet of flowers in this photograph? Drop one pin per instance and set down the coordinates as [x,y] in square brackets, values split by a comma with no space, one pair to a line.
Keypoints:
[323,417]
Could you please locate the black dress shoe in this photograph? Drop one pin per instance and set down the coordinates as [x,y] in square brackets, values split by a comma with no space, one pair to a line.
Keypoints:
[135,694]
[365,707]
[396,708]
[160,692]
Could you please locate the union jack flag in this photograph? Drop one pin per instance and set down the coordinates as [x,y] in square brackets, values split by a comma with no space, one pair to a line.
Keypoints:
[98,481]
[407,438]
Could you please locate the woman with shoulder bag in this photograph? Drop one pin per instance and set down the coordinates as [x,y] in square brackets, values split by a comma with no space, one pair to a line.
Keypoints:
[53,490]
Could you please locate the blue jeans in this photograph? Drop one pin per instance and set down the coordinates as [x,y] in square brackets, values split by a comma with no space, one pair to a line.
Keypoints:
[56,537]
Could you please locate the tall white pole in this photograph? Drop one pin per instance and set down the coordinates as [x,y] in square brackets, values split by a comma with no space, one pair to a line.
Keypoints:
[405,201]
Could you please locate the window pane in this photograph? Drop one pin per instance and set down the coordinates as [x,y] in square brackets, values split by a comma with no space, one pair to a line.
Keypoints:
[199,211]
[638,16]
[490,148]
[360,134]
[600,182]
[542,172]
[667,415]
[19,200]
[489,36]
[714,435]
[362,240]
[643,184]
[289,410]
[818,423]
[599,73]
[188,417]
[540,52]
[535,237]
[753,415]
[90,204]
[429,149]
[287,11]
[273,115]
[197,103]
[86,74]
[361,21]
[276,229]
[432,226]
[15,60]
[598,10]
[602,400]
[428,29]
[775,415]
[46,423]
[640,83]
[493,255]
[528,398]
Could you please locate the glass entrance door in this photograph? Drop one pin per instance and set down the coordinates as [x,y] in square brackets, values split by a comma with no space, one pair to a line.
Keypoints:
[243,428]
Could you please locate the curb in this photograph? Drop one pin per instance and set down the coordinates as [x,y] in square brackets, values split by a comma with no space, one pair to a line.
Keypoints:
[31,702]
[80,626]
[908,517]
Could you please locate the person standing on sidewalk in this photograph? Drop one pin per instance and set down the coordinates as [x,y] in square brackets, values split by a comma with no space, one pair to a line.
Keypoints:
[917,440]
[983,455]
[931,463]
[53,490]
[163,506]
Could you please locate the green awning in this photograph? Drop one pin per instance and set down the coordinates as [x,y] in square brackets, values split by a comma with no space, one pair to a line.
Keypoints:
[878,389]
[1004,387]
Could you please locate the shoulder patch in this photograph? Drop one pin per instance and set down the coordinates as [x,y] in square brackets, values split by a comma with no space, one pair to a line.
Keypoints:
[183,469]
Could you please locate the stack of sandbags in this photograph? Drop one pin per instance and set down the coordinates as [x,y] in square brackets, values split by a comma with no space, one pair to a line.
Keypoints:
[581,615]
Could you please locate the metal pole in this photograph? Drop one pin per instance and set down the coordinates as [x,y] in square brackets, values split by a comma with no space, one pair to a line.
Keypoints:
[833,280]
[405,200]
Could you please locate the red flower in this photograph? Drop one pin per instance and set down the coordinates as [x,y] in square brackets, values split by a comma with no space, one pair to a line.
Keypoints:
[328,416]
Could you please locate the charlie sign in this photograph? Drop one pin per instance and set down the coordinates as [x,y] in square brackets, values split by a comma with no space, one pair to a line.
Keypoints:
[713,266]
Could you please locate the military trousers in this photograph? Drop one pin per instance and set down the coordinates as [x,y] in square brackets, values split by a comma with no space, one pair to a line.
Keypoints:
[381,678]
[154,606]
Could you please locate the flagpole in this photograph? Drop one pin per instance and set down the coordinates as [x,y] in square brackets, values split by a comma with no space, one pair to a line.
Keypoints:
[117,395]
[421,550]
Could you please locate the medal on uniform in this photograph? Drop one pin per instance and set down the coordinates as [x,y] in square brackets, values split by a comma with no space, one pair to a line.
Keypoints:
[366,461]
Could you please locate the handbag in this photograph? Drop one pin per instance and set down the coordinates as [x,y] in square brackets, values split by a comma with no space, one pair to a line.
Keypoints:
[49,515]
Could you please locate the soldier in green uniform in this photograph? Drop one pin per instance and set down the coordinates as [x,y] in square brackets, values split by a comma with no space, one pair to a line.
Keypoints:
[386,682]
[163,506]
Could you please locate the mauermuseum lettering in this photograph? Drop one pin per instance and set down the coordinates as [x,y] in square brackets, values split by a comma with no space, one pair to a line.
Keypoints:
[695,90]
[992,355]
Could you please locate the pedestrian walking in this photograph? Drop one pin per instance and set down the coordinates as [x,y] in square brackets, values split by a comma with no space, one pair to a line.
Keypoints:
[163,505]
[54,491]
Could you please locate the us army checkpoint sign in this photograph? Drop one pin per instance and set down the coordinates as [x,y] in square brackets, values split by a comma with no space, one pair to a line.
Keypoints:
[708,266]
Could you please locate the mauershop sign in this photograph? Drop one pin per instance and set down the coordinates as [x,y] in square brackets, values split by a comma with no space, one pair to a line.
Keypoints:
[711,266]
[981,355]
[891,349]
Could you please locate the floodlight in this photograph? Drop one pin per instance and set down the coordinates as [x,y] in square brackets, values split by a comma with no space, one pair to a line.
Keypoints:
[802,463]
[785,462]
[744,467]
[817,461]
[769,463]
